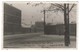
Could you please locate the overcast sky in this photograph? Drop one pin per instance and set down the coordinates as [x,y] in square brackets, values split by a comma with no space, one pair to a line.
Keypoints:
[32,14]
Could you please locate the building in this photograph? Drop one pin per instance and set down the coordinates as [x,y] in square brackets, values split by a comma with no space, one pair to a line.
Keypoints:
[59,29]
[25,30]
[37,27]
[12,19]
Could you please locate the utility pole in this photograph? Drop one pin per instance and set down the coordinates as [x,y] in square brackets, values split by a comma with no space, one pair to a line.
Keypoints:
[44,11]
[44,21]
[66,20]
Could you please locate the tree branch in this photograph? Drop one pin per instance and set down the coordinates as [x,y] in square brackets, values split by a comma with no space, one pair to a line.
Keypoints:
[71,7]
[59,6]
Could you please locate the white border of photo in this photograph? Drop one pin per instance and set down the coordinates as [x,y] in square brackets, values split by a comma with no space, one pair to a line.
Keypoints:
[40,49]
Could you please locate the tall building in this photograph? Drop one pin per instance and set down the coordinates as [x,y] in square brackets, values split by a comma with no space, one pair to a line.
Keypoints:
[12,19]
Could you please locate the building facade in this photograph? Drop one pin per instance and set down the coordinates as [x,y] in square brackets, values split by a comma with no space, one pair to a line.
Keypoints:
[12,19]
[59,29]
[37,27]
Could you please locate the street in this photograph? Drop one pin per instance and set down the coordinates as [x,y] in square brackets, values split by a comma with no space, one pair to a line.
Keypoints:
[37,40]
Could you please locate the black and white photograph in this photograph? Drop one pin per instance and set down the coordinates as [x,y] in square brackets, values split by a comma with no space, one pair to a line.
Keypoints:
[39,24]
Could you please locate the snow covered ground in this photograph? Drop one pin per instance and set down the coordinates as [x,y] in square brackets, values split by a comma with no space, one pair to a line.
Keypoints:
[37,40]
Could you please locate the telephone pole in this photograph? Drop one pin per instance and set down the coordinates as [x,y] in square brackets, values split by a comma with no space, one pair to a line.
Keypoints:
[44,21]
[44,12]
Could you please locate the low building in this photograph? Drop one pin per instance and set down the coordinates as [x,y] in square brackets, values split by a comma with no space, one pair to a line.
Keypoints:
[37,27]
[59,29]
[25,30]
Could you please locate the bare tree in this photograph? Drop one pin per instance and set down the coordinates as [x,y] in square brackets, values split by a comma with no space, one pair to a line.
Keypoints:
[60,7]
[66,9]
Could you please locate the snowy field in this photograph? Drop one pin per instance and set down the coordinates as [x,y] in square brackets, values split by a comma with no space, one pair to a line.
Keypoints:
[37,40]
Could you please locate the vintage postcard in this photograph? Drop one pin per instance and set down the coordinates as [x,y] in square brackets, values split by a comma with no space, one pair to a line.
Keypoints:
[39,24]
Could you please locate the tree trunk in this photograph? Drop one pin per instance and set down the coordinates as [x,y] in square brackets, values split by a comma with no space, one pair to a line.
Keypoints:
[66,20]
